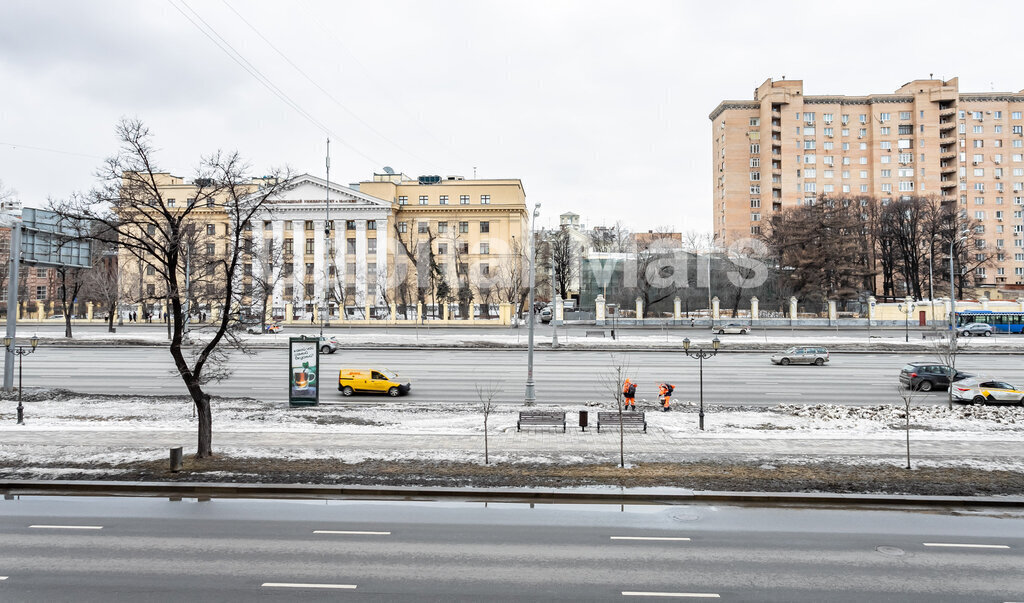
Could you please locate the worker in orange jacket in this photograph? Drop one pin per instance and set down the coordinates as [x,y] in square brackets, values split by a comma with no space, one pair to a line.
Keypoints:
[665,394]
[629,392]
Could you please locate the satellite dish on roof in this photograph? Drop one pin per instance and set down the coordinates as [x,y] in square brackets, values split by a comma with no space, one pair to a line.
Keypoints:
[388,169]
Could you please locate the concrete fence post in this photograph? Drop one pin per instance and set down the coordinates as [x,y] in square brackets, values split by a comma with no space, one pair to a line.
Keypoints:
[599,310]
[755,309]
[677,309]
[716,312]
[792,310]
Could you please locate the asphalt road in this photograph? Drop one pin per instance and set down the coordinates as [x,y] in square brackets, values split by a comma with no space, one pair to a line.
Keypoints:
[103,549]
[561,377]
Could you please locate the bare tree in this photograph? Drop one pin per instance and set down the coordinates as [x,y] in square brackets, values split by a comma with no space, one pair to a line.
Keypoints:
[67,281]
[511,280]
[946,350]
[908,396]
[565,261]
[268,260]
[102,282]
[611,239]
[486,392]
[613,383]
[129,204]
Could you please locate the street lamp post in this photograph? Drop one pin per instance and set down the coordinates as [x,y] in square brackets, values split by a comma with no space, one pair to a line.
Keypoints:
[20,351]
[700,355]
[531,395]
[907,307]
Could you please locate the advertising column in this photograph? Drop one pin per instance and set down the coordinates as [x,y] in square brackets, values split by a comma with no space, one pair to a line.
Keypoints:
[303,371]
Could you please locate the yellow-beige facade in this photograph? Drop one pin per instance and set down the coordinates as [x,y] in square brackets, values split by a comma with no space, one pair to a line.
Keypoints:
[927,139]
[339,252]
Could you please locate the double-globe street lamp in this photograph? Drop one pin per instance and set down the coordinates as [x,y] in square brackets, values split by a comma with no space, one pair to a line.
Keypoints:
[531,395]
[21,351]
[907,307]
[700,355]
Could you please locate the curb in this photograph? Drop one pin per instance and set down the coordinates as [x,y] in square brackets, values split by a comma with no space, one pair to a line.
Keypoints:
[552,496]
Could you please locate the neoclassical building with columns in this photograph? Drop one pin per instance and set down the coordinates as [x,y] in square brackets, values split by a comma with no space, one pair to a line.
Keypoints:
[325,250]
[327,246]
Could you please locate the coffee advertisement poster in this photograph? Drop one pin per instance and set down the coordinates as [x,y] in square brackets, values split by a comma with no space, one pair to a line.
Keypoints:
[303,371]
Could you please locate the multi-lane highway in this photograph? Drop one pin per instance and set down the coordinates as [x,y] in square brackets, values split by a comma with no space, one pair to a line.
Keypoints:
[561,376]
[103,549]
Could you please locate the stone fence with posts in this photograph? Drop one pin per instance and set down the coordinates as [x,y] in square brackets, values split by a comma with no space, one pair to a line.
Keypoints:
[917,313]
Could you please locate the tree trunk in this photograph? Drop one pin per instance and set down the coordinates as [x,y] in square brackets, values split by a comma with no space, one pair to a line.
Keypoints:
[205,446]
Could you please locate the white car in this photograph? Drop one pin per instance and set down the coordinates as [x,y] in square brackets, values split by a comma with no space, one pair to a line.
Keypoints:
[328,345]
[732,327]
[980,390]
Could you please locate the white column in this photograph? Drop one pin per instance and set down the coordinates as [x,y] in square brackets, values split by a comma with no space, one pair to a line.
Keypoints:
[277,230]
[382,259]
[755,310]
[599,307]
[361,263]
[319,268]
[340,243]
[298,265]
[258,259]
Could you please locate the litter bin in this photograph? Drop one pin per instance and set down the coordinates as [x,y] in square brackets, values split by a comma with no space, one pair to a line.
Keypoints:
[583,420]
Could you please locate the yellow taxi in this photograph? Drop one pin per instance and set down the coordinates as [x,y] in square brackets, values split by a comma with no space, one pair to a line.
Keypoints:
[981,391]
[371,381]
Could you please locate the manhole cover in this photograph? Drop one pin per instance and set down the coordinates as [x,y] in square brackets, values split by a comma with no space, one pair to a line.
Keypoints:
[892,551]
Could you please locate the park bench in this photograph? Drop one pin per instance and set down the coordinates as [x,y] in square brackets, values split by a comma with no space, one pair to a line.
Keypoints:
[629,419]
[595,333]
[541,418]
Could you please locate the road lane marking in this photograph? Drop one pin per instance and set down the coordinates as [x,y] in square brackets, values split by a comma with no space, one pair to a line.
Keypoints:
[967,546]
[304,585]
[3,577]
[47,527]
[637,593]
[649,538]
[355,532]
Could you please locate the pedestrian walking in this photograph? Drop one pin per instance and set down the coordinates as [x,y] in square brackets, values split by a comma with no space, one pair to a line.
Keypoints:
[665,395]
[629,392]
[312,318]
[692,322]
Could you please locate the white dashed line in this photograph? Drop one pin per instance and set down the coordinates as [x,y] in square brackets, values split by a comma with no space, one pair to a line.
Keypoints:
[45,527]
[305,585]
[637,593]
[353,532]
[649,538]
[967,546]
[3,577]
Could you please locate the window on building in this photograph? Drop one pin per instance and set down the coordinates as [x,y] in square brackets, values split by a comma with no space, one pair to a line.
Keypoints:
[170,203]
[463,199]
[443,200]
[485,227]
[371,245]
[485,199]
[755,176]
[350,247]
[463,247]
[423,199]
[464,227]
[150,290]
[755,122]
[485,248]
[423,227]
[755,149]
[755,203]
[403,200]
[442,227]
[289,246]
[371,225]
[884,130]
[211,248]
[309,225]
[210,203]
[309,246]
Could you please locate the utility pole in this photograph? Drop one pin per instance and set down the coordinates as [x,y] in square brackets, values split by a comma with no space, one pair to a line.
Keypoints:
[12,302]
[531,395]
[325,308]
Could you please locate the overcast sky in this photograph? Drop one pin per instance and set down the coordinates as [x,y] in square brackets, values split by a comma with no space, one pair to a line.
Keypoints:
[599,107]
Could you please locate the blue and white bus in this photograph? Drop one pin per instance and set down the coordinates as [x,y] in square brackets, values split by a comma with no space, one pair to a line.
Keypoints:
[1002,322]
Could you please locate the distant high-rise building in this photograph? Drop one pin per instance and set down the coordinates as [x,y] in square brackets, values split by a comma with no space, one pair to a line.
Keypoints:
[784,149]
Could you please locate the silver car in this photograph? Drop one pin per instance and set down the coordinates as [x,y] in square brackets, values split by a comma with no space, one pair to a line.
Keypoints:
[980,390]
[328,345]
[975,328]
[801,355]
[732,327]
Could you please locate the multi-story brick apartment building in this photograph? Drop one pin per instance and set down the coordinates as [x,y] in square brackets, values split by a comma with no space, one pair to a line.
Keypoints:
[926,139]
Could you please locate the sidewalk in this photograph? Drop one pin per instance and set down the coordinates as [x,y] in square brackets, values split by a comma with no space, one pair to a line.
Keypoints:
[508,445]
